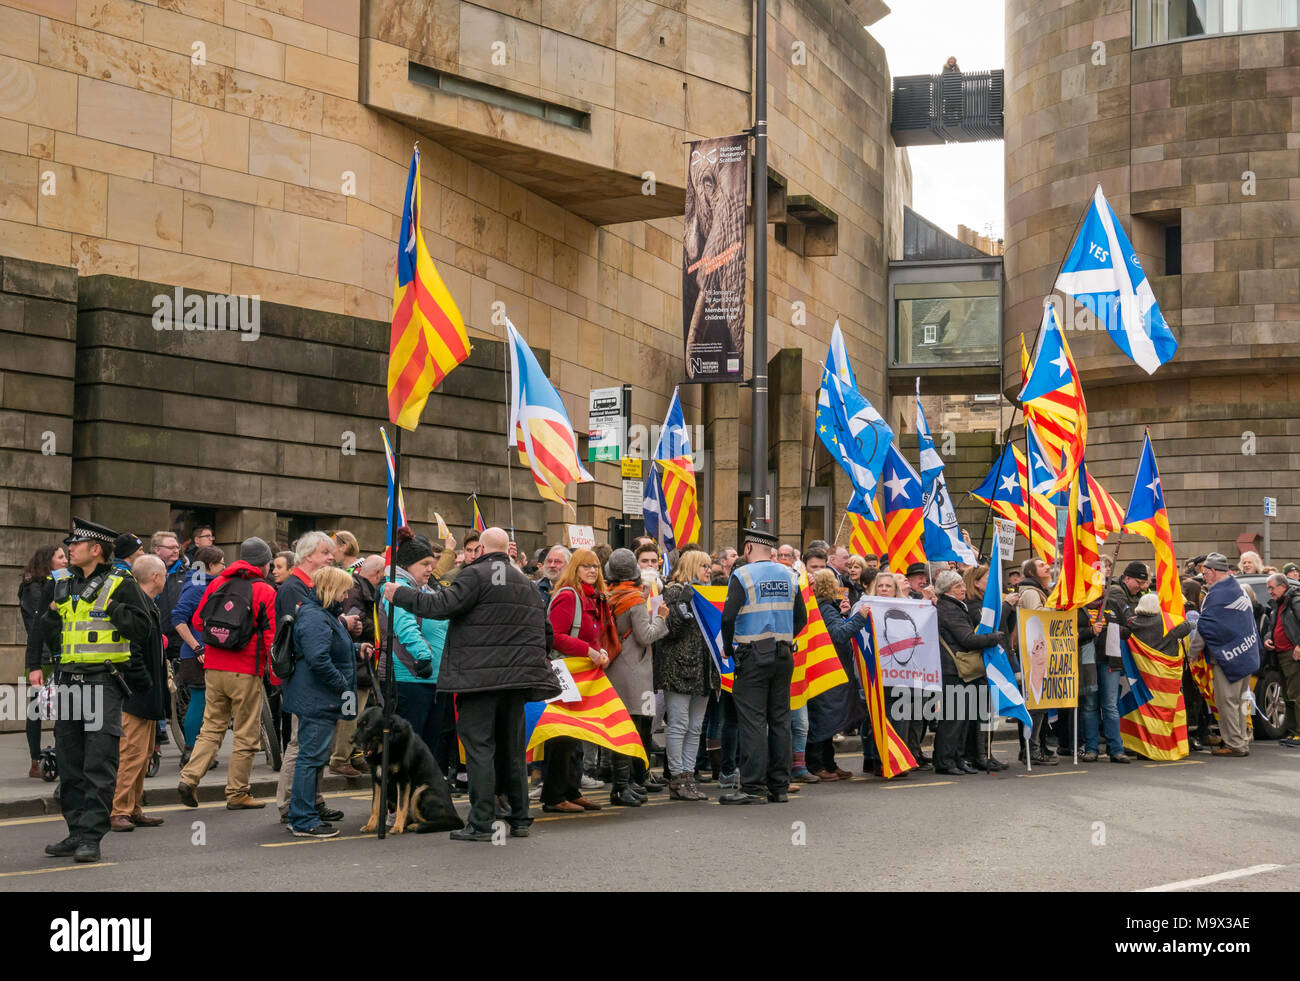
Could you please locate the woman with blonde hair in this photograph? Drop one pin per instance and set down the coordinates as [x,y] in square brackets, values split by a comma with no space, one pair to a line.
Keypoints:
[321,690]
[583,627]
[686,673]
[837,709]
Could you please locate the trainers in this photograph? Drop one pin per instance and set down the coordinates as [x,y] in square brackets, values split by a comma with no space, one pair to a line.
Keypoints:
[804,775]
[535,793]
[590,783]
[320,831]
[1292,741]
[729,781]
[328,814]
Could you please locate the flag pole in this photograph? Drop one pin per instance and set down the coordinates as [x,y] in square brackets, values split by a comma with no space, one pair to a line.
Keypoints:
[390,698]
[510,490]
[988,514]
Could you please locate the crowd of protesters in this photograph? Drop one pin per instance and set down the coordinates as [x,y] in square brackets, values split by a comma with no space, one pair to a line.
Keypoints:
[456,645]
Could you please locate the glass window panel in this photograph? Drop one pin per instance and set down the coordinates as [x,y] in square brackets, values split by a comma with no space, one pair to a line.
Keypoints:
[947,323]
[1259,15]
[1231,15]
[1290,13]
[1142,29]
[1187,18]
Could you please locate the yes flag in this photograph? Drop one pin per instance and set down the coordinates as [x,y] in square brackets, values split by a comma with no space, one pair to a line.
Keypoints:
[1103,273]
[1147,517]
[931,463]
[539,426]
[428,336]
[598,716]
[903,501]
[855,435]
[1005,696]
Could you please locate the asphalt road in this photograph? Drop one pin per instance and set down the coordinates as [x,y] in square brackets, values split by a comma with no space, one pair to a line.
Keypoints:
[1091,827]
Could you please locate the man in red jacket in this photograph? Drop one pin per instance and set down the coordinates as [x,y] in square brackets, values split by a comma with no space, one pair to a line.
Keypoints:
[234,674]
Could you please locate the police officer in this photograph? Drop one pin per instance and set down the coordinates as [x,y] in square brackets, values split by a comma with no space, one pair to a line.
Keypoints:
[763,614]
[95,615]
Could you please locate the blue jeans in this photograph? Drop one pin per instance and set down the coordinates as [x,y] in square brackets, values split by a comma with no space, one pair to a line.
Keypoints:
[1108,685]
[315,735]
[799,729]
[416,703]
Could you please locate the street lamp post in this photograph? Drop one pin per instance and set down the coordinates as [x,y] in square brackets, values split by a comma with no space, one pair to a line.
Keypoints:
[758,391]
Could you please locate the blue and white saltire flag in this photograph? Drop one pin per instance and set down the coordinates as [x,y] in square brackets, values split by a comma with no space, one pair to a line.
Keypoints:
[1042,475]
[839,359]
[1004,694]
[856,436]
[943,539]
[1102,272]
[931,463]
[674,437]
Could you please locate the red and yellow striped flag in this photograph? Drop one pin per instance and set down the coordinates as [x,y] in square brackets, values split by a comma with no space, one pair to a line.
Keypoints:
[1157,728]
[1107,515]
[598,717]
[816,665]
[1079,583]
[1042,515]
[867,537]
[678,482]
[1054,400]
[895,758]
[428,336]
[479,526]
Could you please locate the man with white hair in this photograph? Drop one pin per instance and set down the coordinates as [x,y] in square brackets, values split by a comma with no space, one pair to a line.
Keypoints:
[1227,625]
[552,568]
[495,659]
[1282,637]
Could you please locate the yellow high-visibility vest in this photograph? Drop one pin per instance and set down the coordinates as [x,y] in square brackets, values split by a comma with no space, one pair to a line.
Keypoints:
[89,637]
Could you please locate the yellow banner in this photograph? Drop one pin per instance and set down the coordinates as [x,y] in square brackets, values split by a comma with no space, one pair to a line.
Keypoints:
[1049,657]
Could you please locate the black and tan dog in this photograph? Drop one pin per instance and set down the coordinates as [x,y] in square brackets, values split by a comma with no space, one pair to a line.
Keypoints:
[422,796]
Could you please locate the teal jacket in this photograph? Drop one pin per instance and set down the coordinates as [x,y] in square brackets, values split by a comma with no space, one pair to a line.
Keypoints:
[421,639]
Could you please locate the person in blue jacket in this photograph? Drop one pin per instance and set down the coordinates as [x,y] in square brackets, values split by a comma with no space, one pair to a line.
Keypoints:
[208,564]
[417,649]
[321,690]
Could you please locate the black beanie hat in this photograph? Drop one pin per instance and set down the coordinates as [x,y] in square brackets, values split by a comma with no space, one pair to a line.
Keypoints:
[411,548]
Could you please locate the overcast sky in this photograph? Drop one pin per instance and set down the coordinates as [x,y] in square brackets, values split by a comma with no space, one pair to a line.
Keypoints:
[958,184]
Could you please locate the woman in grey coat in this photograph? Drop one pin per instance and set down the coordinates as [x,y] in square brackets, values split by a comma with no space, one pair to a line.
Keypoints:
[631,671]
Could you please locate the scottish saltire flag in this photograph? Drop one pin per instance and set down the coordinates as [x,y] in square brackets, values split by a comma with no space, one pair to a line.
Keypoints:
[674,438]
[931,462]
[1103,273]
[1079,583]
[539,426]
[428,336]
[392,483]
[838,360]
[817,667]
[895,758]
[599,716]
[479,526]
[904,499]
[1005,696]
[943,538]
[1153,716]
[1052,397]
[707,603]
[855,435]
[1146,516]
[654,512]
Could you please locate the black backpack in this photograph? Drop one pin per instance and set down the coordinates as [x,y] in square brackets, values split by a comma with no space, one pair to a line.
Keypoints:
[283,659]
[228,620]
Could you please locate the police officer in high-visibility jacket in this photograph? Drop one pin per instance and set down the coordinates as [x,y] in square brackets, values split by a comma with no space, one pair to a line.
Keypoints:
[763,614]
[95,614]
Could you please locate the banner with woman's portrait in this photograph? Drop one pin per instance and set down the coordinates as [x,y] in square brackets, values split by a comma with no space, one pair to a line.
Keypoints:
[1049,657]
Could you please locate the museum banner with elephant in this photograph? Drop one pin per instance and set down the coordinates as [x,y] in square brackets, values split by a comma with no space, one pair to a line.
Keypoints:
[1049,657]
[713,259]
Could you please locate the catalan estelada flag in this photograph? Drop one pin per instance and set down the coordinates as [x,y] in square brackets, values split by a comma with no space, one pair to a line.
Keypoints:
[539,426]
[1154,717]
[392,483]
[867,532]
[894,755]
[1146,516]
[598,717]
[904,526]
[1052,397]
[428,336]
[478,517]
[816,665]
[1107,515]
[1006,492]
[678,481]
[1079,583]
[707,603]
[1042,514]
[670,509]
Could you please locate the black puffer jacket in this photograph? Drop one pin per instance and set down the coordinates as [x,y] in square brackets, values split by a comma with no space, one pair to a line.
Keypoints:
[956,631]
[150,702]
[498,637]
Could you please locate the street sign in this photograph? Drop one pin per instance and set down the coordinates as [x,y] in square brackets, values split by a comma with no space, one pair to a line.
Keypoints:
[631,467]
[1270,507]
[604,425]
[633,496]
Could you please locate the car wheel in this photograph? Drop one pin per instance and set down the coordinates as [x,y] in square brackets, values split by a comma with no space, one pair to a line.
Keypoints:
[1270,701]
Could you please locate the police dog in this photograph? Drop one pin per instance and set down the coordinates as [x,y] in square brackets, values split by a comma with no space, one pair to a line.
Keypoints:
[422,797]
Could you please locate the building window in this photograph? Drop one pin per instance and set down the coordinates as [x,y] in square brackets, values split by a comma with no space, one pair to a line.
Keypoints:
[1173,250]
[1160,21]
[497,96]
[953,323]
[929,333]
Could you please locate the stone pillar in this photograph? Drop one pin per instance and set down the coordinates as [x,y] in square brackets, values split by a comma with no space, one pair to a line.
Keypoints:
[234,525]
[722,437]
[785,441]
[38,328]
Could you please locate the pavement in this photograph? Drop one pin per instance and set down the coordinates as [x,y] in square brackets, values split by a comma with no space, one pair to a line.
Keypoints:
[1200,824]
